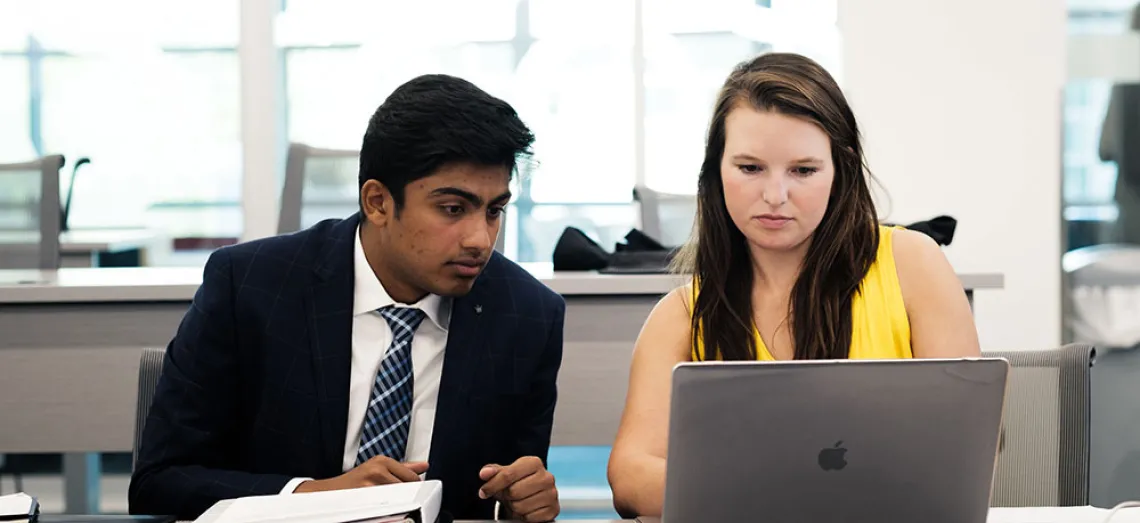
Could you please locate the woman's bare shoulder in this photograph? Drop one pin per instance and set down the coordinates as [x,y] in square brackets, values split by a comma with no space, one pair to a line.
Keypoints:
[669,326]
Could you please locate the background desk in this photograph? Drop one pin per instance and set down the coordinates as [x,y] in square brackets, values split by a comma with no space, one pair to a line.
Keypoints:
[112,247]
[100,247]
[72,339]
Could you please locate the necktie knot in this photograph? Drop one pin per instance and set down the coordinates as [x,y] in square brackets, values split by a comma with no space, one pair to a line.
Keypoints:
[402,320]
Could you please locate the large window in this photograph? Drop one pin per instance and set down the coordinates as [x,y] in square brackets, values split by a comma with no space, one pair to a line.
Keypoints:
[1089,180]
[150,91]
[147,90]
[343,58]
[571,89]
[1103,45]
[691,46]
[571,69]
[15,144]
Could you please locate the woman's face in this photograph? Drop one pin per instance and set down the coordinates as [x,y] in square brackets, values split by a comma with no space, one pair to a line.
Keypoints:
[777,173]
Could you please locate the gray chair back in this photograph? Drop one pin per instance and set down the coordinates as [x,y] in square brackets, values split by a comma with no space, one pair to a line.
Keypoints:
[319,184]
[150,368]
[30,214]
[667,218]
[1044,454]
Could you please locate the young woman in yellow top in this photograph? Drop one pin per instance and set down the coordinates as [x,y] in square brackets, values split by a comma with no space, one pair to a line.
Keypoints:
[788,261]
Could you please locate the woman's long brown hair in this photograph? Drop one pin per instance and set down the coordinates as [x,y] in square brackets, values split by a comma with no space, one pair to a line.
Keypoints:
[841,249]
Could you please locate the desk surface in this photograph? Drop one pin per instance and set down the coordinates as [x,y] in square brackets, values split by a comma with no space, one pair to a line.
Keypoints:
[137,284]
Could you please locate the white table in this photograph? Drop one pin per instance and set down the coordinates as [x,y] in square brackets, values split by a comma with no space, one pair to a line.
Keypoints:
[72,340]
[127,284]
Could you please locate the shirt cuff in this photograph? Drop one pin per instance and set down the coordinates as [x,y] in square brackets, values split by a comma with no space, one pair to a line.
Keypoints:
[293,484]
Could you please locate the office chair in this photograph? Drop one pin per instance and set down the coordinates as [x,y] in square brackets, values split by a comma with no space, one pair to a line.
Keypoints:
[667,218]
[150,368]
[29,222]
[1102,307]
[30,214]
[1044,452]
[1071,434]
[65,213]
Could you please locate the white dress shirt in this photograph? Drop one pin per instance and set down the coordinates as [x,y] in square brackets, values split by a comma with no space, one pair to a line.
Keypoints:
[371,337]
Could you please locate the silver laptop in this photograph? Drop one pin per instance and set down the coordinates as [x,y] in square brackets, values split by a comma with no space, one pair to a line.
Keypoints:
[837,441]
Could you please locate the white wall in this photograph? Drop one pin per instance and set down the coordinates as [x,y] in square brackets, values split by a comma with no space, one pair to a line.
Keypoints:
[960,103]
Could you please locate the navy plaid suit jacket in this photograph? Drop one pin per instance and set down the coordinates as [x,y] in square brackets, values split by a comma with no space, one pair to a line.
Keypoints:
[254,387]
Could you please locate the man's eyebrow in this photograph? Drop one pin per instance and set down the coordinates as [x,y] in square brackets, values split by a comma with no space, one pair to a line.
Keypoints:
[502,198]
[471,197]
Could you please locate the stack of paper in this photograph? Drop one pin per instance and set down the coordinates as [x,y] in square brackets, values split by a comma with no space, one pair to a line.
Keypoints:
[1061,515]
[399,503]
[18,507]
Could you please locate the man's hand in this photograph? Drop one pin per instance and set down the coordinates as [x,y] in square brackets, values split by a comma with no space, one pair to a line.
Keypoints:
[380,470]
[525,488]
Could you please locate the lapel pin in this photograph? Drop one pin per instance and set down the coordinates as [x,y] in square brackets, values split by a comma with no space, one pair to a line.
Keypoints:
[478,309]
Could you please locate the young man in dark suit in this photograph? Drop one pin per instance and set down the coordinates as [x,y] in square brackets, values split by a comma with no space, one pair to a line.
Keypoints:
[383,348]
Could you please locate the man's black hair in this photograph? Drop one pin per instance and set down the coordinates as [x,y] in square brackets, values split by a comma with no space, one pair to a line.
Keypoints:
[434,120]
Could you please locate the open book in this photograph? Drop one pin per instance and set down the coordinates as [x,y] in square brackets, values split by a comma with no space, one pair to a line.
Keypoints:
[399,503]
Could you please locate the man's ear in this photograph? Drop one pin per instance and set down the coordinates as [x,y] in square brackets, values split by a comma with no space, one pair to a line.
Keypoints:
[376,203]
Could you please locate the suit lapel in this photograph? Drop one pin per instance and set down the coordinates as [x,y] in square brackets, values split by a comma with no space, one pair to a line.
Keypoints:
[329,309]
[465,356]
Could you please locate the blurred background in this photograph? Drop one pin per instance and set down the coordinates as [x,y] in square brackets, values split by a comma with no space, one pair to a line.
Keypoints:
[152,93]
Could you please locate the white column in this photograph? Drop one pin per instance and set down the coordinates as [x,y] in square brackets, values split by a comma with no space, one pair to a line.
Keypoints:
[262,121]
[638,92]
[960,104]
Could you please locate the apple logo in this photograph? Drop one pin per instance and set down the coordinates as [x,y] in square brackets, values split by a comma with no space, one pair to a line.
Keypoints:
[833,458]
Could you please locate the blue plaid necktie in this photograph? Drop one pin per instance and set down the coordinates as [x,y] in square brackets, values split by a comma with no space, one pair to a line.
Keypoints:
[388,418]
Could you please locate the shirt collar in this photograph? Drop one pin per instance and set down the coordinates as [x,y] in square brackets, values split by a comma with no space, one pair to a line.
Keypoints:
[369,294]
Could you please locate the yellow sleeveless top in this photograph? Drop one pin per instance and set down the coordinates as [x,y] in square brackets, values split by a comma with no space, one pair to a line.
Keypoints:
[880,327]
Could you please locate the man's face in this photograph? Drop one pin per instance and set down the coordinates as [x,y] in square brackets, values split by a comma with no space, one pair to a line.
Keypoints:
[440,239]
